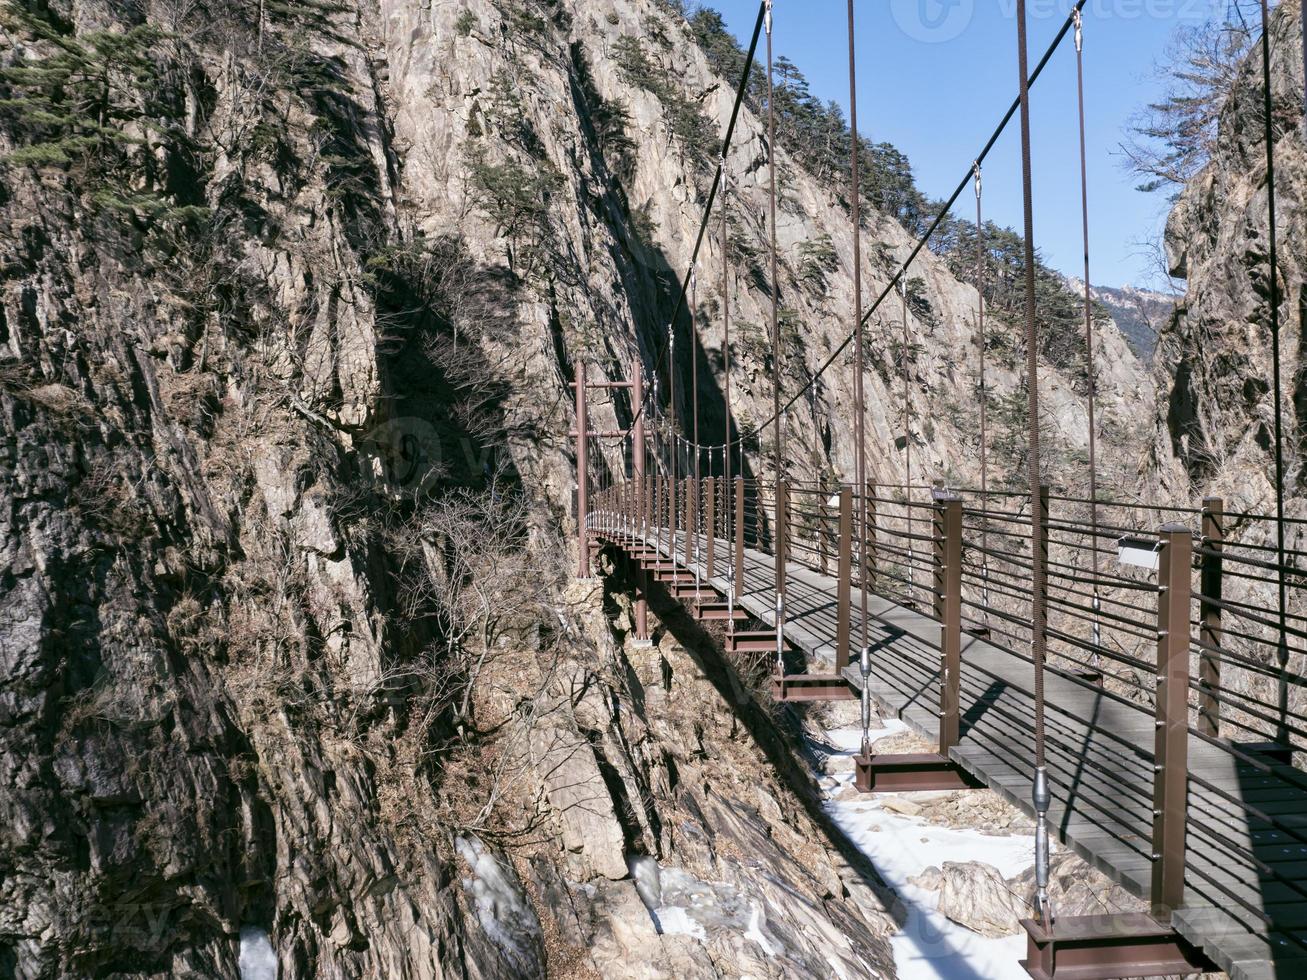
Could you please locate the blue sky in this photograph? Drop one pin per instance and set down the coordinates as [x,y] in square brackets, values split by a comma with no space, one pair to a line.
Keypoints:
[935,76]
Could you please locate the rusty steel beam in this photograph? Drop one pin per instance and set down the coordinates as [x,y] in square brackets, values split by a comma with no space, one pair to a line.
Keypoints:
[811,687]
[902,772]
[1108,946]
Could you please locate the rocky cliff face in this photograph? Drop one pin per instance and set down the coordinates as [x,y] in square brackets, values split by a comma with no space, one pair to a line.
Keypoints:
[1215,357]
[1138,313]
[291,294]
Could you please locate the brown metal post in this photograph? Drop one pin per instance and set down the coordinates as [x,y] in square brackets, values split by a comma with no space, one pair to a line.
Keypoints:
[823,514]
[869,515]
[710,525]
[950,614]
[1209,618]
[1171,763]
[582,476]
[648,503]
[739,538]
[782,531]
[1041,558]
[638,495]
[844,580]
[690,526]
[673,510]
[937,558]
[658,518]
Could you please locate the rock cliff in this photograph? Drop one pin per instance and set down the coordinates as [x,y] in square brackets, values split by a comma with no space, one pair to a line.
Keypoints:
[1214,360]
[291,292]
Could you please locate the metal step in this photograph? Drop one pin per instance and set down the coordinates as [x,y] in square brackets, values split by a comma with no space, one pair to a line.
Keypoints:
[720,611]
[812,687]
[761,641]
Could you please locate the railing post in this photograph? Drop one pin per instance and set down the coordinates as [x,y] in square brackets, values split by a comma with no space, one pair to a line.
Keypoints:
[823,514]
[687,487]
[949,599]
[1171,763]
[1042,555]
[658,518]
[937,533]
[673,514]
[1209,618]
[710,526]
[780,537]
[736,582]
[582,475]
[869,516]
[781,549]
[844,578]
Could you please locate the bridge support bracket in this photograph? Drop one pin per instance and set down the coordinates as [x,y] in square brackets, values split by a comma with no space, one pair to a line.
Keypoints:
[908,772]
[811,687]
[1101,947]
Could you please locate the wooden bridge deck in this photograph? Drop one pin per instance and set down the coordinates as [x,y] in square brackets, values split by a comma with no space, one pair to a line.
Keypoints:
[1100,761]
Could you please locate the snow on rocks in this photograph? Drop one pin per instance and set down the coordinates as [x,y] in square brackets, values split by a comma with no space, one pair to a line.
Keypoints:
[908,841]
[501,906]
[258,960]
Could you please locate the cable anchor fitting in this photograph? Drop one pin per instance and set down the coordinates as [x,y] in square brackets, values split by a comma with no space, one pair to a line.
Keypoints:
[1080,31]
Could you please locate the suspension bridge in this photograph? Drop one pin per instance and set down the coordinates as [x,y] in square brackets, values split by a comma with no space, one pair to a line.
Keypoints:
[1123,672]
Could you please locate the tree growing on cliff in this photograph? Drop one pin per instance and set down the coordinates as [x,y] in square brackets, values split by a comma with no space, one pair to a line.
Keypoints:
[1172,139]
[92,107]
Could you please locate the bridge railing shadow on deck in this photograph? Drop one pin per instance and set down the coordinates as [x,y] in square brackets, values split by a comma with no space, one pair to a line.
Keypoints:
[1235,648]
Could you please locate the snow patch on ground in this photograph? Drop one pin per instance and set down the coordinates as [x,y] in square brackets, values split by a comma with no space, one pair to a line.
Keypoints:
[929,946]
[258,960]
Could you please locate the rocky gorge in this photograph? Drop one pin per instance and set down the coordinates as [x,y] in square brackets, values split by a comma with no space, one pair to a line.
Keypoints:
[293,669]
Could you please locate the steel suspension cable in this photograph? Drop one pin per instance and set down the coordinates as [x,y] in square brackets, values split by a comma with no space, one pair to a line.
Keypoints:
[740,90]
[859,419]
[907,440]
[777,374]
[1267,106]
[697,503]
[943,211]
[726,353]
[775,286]
[1038,612]
[984,392]
[671,401]
[1089,324]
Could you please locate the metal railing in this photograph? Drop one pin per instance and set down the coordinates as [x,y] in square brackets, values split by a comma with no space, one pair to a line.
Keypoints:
[1193,633]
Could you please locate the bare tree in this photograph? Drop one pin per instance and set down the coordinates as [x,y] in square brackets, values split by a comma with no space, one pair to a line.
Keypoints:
[1172,139]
